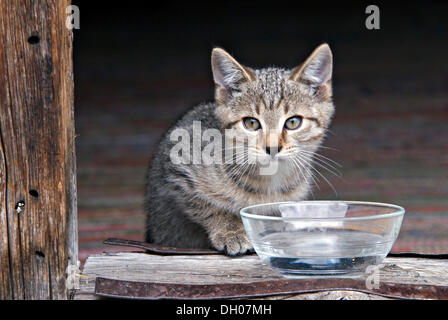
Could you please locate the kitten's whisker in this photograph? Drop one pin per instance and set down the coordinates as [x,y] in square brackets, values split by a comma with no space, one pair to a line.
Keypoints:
[247,172]
[335,173]
[297,167]
[323,157]
[321,163]
[328,148]
[307,167]
[329,183]
[243,172]
[306,180]
[235,165]
[234,171]
[233,151]
[299,149]
[310,173]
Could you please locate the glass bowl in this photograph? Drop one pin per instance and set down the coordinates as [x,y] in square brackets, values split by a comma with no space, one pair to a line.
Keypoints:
[322,238]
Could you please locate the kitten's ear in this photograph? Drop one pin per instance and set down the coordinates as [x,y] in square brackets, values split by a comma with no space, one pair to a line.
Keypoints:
[316,71]
[228,75]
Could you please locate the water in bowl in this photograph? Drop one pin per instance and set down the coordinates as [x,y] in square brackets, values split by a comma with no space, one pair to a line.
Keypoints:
[324,253]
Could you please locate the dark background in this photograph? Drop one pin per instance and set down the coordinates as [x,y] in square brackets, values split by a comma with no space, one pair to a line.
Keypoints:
[139,65]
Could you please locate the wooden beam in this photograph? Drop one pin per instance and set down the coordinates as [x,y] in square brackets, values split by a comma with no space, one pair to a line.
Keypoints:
[37,159]
[217,269]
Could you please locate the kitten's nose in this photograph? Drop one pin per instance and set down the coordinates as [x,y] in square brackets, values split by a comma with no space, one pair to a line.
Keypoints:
[273,150]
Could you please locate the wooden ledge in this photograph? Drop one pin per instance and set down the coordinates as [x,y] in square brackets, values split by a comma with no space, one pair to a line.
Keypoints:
[413,274]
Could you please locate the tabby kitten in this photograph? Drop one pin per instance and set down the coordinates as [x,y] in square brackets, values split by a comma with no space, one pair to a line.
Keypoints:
[196,205]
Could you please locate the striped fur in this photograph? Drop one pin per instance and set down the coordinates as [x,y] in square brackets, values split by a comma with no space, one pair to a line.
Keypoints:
[197,205]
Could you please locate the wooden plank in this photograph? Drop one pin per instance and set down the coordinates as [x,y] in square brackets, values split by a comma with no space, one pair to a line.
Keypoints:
[221,269]
[5,279]
[37,189]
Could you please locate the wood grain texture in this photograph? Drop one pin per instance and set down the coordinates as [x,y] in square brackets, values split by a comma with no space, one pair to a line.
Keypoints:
[221,269]
[37,187]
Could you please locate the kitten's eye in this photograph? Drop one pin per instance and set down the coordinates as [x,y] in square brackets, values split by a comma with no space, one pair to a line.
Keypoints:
[251,124]
[293,123]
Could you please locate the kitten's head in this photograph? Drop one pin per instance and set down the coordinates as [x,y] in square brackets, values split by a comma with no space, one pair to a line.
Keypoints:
[286,110]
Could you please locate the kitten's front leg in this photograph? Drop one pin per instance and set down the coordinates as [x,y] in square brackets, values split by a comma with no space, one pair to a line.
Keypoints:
[226,233]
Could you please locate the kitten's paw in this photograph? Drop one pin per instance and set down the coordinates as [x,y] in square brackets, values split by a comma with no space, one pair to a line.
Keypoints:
[231,243]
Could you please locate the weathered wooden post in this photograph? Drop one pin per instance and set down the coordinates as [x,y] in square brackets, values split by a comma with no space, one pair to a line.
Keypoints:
[38,228]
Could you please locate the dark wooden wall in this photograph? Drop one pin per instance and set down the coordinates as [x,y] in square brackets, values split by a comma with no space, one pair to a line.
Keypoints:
[37,159]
